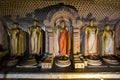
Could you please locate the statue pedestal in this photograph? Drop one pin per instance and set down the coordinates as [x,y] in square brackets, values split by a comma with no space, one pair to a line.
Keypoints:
[47,63]
[110,60]
[78,62]
[30,62]
[12,61]
[63,61]
[94,60]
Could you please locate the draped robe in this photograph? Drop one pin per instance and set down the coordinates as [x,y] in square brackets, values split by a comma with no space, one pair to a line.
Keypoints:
[37,41]
[17,42]
[108,43]
[91,42]
[64,42]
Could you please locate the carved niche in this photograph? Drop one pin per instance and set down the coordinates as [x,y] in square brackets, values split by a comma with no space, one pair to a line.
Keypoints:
[117,37]
[63,13]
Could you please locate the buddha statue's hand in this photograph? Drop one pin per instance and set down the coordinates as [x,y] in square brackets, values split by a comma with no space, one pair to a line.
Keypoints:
[86,30]
[67,29]
[113,34]
[29,30]
[39,29]
[67,55]
[96,32]
[8,31]
[58,30]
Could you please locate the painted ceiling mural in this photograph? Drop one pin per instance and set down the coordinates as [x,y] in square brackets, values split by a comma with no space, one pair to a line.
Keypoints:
[24,11]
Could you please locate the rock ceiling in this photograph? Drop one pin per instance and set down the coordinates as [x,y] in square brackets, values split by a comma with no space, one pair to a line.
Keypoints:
[98,9]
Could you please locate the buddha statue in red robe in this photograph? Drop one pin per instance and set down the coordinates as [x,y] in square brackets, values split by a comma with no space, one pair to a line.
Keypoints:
[64,40]
[64,45]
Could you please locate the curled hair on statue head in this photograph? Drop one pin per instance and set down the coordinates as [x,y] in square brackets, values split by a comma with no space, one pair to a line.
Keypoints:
[91,20]
[106,25]
[36,20]
[64,23]
[16,23]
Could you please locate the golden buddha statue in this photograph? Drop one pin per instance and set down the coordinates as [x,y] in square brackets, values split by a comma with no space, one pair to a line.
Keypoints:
[64,45]
[64,40]
[16,38]
[36,44]
[35,33]
[17,46]
[107,41]
[91,44]
[108,46]
[91,39]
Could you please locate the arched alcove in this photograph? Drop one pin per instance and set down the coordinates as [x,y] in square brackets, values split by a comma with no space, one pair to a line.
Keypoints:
[117,35]
[63,13]
[3,40]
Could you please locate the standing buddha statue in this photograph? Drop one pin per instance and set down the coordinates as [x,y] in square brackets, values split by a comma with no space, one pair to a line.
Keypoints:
[64,45]
[17,46]
[91,44]
[36,46]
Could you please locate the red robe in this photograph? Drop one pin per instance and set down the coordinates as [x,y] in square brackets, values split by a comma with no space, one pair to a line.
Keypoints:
[64,43]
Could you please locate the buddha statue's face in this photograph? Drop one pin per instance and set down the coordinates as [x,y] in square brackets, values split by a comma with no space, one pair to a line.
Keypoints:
[107,27]
[35,23]
[15,25]
[91,23]
[63,25]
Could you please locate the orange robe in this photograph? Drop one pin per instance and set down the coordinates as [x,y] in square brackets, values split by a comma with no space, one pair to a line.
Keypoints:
[64,43]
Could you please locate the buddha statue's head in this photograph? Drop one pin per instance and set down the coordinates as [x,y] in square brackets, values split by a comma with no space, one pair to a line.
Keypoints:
[91,23]
[107,27]
[35,23]
[15,25]
[62,24]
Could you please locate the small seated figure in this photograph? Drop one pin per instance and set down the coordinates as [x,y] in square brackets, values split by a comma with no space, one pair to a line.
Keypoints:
[64,45]
[17,46]
[36,46]
[108,44]
[91,44]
